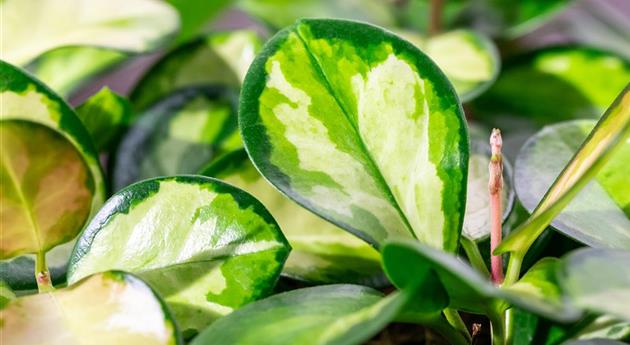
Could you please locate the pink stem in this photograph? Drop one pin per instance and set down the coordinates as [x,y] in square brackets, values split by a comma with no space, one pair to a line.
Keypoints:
[495,187]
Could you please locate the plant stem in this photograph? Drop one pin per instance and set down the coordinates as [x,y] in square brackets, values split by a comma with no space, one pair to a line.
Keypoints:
[453,318]
[514,268]
[435,19]
[440,325]
[497,324]
[474,255]
[495,187]
[508,316]
[42,275]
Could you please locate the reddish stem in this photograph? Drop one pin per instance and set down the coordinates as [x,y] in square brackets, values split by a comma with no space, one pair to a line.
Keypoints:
[495,187]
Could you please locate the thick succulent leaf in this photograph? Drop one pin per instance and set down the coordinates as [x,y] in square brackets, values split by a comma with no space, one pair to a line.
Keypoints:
[104,309]
[6,294]
[605,200]
[206,247]
[321,252]
[220,58]
[583,81]
[194,15]
[39,26]
[608,138]
[79,66]
[281,13]
[105,115]
[598,280]
[178,135]
[360,127]
[50,165]
[332,314]
[468,290]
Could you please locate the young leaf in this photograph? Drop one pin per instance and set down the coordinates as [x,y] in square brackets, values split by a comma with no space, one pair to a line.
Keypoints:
[128,25]
[105,115]
[332,314]
[361,128]
[321,252]
[598,280]
[606,200]
[178,135]
[609,135]
[203,245]
[49,163]
[108,308]
[220,58]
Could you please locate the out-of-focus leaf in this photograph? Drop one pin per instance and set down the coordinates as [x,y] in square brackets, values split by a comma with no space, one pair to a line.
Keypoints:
[178,135]
[104,309]
[206,247]
[322,252]
[105,115]
[6,294]
[220,58]
[193,15]
[594,342]
[360,127]
[36,27]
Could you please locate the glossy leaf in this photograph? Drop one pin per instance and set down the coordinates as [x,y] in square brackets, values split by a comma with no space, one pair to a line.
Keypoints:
[598,280]
[127,25]
[206,247]
[468,290]
[583,83]
[608,137]
[360,127]
[332,314]
[605,200]
[51,168]
[220,58]
[322,252]
[178,135]
[105,115]
[108,308]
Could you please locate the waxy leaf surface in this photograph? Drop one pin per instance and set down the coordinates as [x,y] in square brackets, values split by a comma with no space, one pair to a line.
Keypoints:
[39,26]
[321,252]
[332,314]
[178,135]
[360,127]
[105,115]
[104,309]
[206,247]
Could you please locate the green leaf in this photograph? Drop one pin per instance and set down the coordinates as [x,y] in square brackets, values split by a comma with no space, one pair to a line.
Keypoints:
[194,15]
[108,308]
[606,200]
[584,82]
[220,58]
[594,342]
[281,13]
[361,128]
[105,115]
[598,280]
[52,171]
[178,135]
[332,314]
[322,252]
[6,294]
[127,25]
[608,137]
[206,247]
[79,66]
[468,290]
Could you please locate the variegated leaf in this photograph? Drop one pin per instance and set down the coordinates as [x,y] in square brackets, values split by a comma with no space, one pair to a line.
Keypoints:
[105,115]
[39,26]
[609,137]
[104,309]
[178,135]
[6,294]
[51,177]
[322,252]
[206,247]
[220,58]
[360,127]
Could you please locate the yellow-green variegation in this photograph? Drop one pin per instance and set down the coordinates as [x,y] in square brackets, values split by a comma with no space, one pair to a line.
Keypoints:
[206,247]
[104,309]
[6,294]
[321,252]
[35,27]
[219,58]
[178,135]
[105,115]
[360,127]
[51,177]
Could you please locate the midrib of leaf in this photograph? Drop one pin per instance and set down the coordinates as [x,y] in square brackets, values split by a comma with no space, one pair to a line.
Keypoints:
[27,208]
[371,162]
